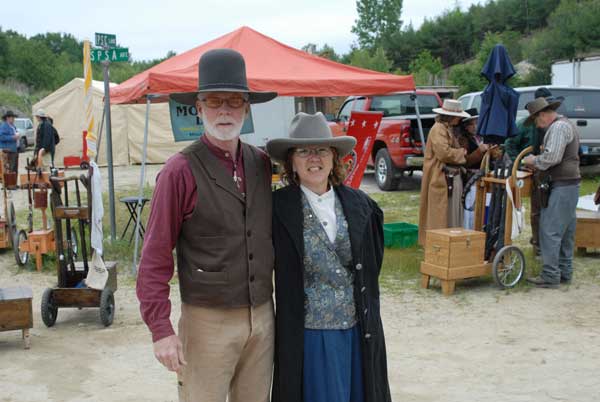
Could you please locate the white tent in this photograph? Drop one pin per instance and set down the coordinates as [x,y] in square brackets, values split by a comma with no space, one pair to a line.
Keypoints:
[66,107]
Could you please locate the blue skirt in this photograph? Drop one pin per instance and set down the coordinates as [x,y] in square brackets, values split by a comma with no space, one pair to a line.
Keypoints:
[332,366]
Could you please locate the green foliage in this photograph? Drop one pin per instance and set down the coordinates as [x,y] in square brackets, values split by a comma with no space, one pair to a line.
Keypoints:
[326,51]
[378,21]
[377,61]
[468,76]
[45,62]
[425,68]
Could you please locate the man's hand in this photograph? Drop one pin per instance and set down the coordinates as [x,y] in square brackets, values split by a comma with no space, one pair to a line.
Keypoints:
[169,351]
[483,147]
[529,161]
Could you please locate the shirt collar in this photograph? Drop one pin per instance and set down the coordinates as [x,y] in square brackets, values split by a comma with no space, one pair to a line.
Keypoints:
[221,153]
[312,196]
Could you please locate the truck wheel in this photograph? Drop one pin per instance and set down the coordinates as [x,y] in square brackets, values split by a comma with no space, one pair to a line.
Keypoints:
[385,171]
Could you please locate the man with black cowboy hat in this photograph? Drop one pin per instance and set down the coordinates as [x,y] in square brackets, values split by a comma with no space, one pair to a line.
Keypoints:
[9,139]
[45,141]
[558,164]
[212,202]
[531,135]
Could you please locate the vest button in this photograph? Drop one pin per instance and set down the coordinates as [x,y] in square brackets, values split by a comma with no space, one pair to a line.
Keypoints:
[251,278]
[367,336]
[250,256]
[358,266]
[249,233]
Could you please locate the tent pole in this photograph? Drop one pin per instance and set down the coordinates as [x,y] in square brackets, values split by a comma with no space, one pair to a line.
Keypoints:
[416,100]
[141,193]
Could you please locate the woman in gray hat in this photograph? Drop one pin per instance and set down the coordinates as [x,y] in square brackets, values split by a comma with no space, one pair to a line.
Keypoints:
[328,240]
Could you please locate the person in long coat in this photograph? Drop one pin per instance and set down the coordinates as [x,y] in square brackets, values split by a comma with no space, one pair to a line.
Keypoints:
[442,149]
[328,241]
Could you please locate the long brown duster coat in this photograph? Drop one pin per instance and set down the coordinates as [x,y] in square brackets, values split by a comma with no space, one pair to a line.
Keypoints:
[442,148]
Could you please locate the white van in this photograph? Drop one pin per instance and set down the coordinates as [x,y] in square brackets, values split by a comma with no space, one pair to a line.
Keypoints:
[581,106]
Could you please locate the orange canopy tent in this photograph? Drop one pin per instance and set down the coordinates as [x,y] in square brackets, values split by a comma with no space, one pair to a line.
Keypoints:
[270,66]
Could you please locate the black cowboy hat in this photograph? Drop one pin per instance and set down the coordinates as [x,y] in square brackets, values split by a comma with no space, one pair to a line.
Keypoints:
[222,70]
[473,114]
[9,113]
[543,92]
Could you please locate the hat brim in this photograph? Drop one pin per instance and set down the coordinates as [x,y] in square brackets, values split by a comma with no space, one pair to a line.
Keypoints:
[552,106]
[439,110]
[190,98]
[278,148]
[470,118]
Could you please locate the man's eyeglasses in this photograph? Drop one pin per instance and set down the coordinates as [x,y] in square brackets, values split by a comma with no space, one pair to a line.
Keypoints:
[306,152]
[213,102]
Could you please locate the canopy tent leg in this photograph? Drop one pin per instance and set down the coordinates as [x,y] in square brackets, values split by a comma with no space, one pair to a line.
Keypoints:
[141,192]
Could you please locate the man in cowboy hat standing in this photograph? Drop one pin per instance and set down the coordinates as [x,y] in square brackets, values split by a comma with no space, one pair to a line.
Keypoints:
[558,165]
[530,135]
[9,139]
[212,202]
[44,140]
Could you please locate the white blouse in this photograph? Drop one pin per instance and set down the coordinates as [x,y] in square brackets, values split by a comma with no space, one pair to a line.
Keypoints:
[324,207]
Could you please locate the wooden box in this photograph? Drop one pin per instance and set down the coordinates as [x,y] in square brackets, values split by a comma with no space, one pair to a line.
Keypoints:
[587,233]
[16,311]
[454,247]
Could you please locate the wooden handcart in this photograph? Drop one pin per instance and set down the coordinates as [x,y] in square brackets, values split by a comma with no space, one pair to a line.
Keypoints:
[71,290]
[467,259]
[40,241]
[8,217]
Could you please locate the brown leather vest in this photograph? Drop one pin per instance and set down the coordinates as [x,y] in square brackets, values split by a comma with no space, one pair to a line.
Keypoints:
[224,251]
[568,168]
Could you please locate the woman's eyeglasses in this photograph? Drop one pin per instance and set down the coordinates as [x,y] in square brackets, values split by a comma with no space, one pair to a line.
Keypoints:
[306,152]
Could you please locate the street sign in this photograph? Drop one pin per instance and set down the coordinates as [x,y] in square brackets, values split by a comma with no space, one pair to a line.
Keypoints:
[106,40]
[116,54]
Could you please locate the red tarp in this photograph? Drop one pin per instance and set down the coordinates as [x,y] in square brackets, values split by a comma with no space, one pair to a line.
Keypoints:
[270,66]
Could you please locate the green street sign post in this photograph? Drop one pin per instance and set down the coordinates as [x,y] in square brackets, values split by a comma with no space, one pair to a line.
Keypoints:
[105,54]
[105,40]
[112,54]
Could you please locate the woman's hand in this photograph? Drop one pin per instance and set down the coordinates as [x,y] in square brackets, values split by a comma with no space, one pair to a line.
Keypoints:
[483,147]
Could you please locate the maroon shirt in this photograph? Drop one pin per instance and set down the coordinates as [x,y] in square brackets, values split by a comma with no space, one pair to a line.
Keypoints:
[173,201]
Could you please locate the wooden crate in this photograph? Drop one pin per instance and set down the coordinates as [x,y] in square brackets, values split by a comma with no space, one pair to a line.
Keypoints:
[449,276]
[587,234]
[454,247]
[16,311]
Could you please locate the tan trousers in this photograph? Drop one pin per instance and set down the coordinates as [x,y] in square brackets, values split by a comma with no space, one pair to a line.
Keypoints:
[229,353]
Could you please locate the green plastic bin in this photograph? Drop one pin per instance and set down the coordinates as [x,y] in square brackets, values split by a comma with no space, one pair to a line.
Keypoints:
[400,234]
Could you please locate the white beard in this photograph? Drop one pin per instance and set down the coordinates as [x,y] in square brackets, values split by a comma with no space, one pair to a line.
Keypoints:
[221,133]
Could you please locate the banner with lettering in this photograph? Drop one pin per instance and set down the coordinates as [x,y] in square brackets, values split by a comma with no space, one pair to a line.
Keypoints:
[187,125]
[363,126]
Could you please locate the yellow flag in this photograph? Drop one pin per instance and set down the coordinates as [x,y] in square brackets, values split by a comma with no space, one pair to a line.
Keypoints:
[87,100]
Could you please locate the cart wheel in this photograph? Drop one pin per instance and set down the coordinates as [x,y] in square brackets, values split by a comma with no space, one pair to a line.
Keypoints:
[49,310]
[74,243]
[84,165]
[508,266]
[12,218]
[107,307]
[21,256]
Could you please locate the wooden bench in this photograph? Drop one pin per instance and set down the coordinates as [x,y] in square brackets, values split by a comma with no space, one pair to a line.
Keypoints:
[16,311]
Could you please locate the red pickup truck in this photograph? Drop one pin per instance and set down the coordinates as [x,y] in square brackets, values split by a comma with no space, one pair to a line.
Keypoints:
[397,147]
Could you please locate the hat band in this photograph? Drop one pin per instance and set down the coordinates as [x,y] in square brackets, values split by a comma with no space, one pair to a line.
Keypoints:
[223,85]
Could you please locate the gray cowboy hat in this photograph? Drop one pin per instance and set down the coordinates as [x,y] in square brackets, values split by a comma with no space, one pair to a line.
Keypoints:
[41,113]
[309,129]
[539,105]
[472,115]
[222,70]
[9,113]
[451,107]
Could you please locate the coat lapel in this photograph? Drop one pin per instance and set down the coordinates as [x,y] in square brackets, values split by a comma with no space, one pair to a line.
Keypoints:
[287,204]
[217,173]
[357,215]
